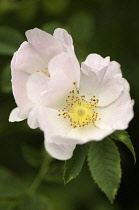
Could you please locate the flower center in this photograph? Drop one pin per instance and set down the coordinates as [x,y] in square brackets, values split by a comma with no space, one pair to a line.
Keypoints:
[80,111]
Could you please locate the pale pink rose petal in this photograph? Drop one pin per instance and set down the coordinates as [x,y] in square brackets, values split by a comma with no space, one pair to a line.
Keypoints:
[27,59]
[46,45]
[105,90]
[36,85]
[15,115]
[68,65]
[60,151]
[63,37]
[33,118]
[96,62]
[19,82]
[118,114]
[64,71]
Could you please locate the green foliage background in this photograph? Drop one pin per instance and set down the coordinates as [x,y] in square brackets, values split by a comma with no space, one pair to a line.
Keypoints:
[109,27]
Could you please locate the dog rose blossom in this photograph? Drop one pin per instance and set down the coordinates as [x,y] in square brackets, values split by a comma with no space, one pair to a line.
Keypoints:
[90,110]
[71,105]
[31,73]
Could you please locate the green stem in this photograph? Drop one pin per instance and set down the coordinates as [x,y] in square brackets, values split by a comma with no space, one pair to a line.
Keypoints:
[41,174]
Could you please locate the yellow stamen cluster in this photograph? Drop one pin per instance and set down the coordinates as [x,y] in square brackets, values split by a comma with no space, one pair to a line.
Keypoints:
[79,111]
[45,72]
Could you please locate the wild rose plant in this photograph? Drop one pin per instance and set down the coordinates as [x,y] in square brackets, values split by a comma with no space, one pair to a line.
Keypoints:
[73,105]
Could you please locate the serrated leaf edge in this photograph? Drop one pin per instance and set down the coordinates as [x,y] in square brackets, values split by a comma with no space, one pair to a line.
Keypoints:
[111,201]
[133,153]
[71,178]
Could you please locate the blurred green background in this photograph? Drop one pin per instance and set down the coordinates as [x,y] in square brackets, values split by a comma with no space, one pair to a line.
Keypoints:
[106,27]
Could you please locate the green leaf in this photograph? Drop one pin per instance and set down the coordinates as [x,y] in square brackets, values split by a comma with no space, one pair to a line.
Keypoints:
[73,166]
[34,202]
[32,156]
[10,186]
[10,40]
[124,138]
[6,85]
[104,164]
